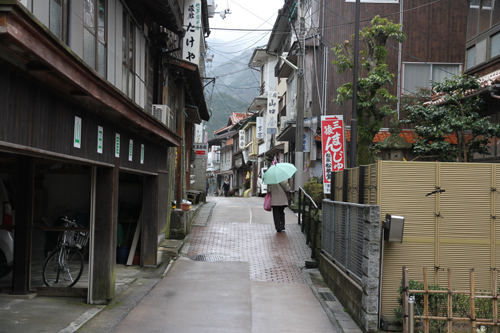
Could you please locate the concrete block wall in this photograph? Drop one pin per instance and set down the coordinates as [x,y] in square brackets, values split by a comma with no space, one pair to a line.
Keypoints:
[361,299]
[371,268]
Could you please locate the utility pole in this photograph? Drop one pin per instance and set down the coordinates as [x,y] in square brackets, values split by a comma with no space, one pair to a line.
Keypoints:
[299,134]
[354,119]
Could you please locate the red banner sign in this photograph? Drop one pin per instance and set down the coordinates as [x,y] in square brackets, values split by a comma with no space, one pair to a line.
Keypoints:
[332,140]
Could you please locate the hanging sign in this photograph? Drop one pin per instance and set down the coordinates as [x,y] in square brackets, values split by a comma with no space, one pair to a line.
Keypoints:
[198,133]
[332,140]
[272,112]
[200,149]
[306,140]
[242,139]
[260,127]
[193,37]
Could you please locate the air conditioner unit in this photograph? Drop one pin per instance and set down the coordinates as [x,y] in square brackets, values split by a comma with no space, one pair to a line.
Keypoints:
[283,123]
[161,112]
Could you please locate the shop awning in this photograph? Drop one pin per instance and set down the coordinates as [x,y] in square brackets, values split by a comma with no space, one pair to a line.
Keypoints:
[288,134]
[276,149]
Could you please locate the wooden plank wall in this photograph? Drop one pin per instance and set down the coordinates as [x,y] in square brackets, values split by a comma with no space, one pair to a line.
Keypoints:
[436,33]
[37,118]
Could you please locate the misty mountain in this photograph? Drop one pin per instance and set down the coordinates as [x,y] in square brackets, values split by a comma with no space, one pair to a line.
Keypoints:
[236,85]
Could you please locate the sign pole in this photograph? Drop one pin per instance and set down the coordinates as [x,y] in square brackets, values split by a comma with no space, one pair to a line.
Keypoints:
[354,120]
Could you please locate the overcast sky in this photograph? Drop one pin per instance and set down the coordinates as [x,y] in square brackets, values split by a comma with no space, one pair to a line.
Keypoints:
[245,14]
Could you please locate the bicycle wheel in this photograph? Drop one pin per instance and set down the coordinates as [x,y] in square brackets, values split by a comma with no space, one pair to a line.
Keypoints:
[63,268]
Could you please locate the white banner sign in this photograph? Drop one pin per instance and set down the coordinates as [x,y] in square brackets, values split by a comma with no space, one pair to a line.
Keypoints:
[272,112]
[192,24]
[306,140]
[260,127]
[198,133]
[200,149]
[242,139]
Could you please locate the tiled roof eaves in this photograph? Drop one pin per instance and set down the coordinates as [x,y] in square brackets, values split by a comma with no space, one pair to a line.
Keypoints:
[485,86]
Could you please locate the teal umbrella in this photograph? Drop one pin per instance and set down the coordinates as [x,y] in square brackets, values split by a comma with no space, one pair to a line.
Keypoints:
[278,173]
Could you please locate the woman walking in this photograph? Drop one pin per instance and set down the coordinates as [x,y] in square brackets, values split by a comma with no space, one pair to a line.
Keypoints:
[279,201]
[225,187]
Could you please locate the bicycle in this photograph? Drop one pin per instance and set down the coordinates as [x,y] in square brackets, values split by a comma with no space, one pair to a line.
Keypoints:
[64,266]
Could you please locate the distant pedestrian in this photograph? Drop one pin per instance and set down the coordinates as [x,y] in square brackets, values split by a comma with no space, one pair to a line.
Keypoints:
[279,201]
[225,187]
[207,188]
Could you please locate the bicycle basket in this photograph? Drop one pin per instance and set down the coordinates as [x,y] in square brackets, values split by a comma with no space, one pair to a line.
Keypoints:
[81,239]
[76,239]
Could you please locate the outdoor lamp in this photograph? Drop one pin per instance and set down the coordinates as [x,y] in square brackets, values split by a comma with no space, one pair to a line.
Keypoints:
[393,226]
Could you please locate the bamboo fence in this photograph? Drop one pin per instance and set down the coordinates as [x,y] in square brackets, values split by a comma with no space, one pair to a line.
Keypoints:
[450,318]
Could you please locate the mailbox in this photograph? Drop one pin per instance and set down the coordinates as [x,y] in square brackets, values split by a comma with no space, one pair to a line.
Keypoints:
[393,228]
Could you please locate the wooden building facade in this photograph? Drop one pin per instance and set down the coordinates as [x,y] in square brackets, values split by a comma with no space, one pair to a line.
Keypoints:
[434,48]
[77,135]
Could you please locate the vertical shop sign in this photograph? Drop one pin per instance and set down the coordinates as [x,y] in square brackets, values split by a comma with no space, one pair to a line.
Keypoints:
[77,140]
[260,127]
[100,138]
[272,112]
[306,140]
[117,145]
[242,139]
[192,24]
[142,154]
[130,149]
[332,140]
[198,133]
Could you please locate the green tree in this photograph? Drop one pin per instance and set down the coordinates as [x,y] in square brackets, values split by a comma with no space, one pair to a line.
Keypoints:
[456,114]
[374,102]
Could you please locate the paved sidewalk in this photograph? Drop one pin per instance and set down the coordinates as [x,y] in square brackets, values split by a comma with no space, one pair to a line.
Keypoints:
[237,274]
[234,274]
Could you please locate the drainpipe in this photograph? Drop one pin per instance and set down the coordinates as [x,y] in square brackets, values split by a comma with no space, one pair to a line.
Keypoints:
[399,58]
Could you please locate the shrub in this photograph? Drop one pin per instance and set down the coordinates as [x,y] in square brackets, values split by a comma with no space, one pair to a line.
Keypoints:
[315,191]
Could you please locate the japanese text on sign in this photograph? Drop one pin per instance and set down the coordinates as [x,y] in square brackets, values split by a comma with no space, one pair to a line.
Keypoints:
[242,139]
[332,139]
[200,149]
[260,127]
[192,23]
[272,112]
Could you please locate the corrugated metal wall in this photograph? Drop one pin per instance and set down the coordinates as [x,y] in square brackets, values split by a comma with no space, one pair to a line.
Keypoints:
[353,185]
[453,229]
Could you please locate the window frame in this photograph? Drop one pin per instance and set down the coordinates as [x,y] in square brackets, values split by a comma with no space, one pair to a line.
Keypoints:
[62,34]
[96,36]
[375,1]
[431,72]
[128,63]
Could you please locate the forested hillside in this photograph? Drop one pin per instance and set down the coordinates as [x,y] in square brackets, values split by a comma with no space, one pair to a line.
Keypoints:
[236,85]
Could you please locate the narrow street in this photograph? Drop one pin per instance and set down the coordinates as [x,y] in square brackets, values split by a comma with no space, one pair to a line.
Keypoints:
[238,275]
